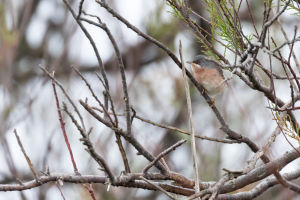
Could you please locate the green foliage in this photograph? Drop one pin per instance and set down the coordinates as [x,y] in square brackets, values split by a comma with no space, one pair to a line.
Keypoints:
[175,12]
[162,30]
[286,125]
[223,23]
[6,36]
[207,51]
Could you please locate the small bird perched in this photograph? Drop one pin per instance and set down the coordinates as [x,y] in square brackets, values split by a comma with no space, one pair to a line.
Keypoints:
[209,74]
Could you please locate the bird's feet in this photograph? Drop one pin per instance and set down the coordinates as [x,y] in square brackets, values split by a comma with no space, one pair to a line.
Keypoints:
[213,100]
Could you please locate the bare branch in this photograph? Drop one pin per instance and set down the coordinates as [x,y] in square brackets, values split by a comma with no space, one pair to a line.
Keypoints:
[162,154]
[90,149]
[62,125]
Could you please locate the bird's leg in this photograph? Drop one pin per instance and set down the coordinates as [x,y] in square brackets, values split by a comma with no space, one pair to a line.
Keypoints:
[213,100]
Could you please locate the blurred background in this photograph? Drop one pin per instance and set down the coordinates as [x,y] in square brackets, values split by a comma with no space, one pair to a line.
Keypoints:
[36,33]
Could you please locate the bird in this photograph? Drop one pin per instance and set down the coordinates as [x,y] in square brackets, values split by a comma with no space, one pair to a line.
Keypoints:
[209,74]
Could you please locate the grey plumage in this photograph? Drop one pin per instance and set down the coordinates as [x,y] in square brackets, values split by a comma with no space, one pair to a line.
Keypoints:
[203,61]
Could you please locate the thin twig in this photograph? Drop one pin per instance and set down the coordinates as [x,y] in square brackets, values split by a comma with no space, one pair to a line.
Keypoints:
[271,21]
[189,108]
[80,8]
[175,129]
[59,189]
[26,157]
[93,93]
[110,100]
[162,154]
[89,188]
[135,29]
[172,128]
[90,148]
[125,91]
[159,188]
[89,37]
[62,125]
[285,43]
[121,68]
[66,95]
[127,137]
[262,151]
